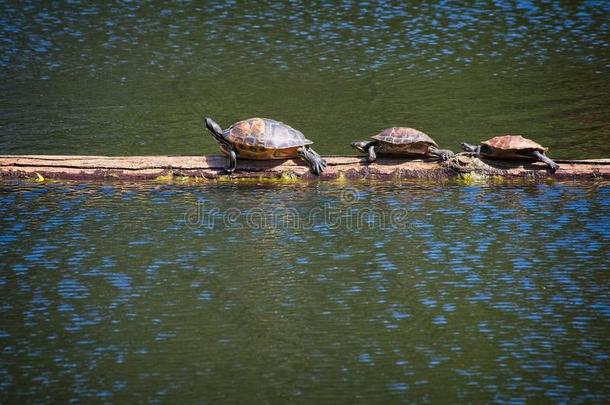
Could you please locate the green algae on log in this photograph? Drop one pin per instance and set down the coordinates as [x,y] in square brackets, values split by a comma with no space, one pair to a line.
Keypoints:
[212,167]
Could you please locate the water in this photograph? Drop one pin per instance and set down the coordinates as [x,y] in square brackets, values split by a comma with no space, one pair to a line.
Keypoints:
[124,77]
[317,293]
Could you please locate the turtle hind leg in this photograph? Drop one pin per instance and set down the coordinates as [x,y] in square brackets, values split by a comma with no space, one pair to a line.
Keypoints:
[442,154]
[543,158]
[315,161]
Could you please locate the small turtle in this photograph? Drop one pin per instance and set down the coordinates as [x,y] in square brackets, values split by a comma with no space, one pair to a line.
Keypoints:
[401,141]
[262,139]
[512,147]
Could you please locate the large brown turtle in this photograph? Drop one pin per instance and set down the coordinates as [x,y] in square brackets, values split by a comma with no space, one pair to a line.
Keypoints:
[401,141]
[262,139]
[512,147]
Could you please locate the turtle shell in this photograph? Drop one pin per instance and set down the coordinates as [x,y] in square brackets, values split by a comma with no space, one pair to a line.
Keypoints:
[263,138]
[510,146]
[403,141]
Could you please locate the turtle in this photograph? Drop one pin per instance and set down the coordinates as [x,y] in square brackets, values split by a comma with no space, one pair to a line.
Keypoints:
[512,147]
[262,139]
[401,141]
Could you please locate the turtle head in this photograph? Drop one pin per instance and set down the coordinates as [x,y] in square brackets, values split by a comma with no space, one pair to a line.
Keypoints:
[466,147]
[360,146]
[213,127]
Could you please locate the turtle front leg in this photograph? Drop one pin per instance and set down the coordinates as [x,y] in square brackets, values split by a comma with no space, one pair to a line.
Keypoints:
[543,158]
[370,150]
[315,161]
[232,161]
[442,154]
[471,148]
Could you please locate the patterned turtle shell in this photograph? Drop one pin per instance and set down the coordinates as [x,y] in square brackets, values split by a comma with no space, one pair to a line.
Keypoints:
[403,141]
[263,138]
[509,145]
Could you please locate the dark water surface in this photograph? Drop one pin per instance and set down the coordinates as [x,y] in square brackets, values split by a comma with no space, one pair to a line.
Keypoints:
[262,293]
[125,77]
[315,292]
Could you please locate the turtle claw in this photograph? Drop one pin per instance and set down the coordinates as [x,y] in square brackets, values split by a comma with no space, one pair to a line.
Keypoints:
[318,167]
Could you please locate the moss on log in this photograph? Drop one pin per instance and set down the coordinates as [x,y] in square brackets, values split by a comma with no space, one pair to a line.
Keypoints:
[212,167]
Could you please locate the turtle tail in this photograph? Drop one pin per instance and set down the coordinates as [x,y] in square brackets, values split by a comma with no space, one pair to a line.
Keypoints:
[315,161]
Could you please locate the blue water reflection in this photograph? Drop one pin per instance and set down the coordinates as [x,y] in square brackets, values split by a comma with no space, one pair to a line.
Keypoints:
[497,293]
[351,36]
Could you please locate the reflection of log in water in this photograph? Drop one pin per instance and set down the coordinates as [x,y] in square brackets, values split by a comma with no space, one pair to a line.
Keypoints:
[212,167]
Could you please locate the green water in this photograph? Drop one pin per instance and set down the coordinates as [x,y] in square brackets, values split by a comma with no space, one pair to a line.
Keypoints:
[321,292]
[125,78]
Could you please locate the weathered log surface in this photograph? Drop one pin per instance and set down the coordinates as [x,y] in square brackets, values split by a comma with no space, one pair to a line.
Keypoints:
[151,167]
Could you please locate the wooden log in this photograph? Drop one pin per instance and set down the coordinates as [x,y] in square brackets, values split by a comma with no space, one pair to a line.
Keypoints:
[212,167]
